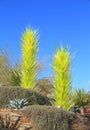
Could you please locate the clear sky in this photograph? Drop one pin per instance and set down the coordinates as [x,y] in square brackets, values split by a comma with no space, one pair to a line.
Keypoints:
[66,21]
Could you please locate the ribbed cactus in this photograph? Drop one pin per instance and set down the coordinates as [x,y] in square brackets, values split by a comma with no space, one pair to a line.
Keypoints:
[29,46]
[62,78]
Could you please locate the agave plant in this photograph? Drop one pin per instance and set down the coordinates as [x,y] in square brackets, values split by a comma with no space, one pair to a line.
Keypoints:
[17,103]
[29,58]
[62,77]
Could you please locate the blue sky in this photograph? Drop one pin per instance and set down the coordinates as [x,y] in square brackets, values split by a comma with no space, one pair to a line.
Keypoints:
[66,21]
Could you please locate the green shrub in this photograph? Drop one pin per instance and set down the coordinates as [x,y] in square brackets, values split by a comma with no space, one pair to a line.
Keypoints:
[44,86]
[11,93]
[80,97]
[47,117]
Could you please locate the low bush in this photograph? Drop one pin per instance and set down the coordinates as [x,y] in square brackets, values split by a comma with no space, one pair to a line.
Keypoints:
[44,86]
[11,93]
[47,117]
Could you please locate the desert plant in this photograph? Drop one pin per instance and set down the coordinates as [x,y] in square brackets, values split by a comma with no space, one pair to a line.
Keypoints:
[44,86]
[15,76]
[80,97]
[29,46]
[11,93]
[47,117]
[17,103]
[62,77]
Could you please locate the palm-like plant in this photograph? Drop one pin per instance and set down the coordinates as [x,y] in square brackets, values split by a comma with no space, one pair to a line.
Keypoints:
[15,76]
[80,97]
[29,67]
[62,78]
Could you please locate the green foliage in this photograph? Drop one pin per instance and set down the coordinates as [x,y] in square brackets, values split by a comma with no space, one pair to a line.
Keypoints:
[47,117]
[29,58]
[80,97]
[62,78]
[12,93]
[15,76]
[17,103]
[9,76]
